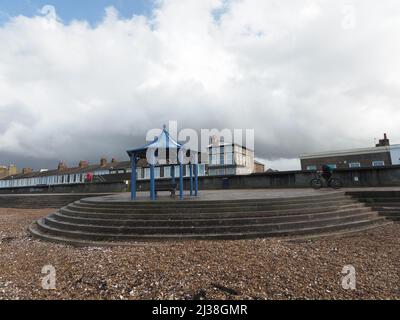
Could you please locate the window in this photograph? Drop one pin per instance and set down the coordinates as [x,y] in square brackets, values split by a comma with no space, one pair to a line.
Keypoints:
[177,169]
[103,172]
[378,163]
[202,170]
[311,168]
[214,159]
[157,172]
[332,166]
[167,172]
[229,158]
[147,173]
[354,165]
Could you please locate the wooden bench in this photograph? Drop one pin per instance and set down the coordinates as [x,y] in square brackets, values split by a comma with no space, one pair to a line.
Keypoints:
[166,186]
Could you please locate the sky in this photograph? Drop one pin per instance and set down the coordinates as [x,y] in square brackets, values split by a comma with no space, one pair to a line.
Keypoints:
[80,80]
[69,10]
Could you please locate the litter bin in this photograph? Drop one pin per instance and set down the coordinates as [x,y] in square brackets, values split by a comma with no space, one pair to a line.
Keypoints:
[225,183]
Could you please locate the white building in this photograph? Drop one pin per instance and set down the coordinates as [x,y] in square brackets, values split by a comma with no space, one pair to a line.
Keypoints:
[230,159]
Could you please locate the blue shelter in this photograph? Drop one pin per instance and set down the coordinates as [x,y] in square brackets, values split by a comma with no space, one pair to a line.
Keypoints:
[173,154]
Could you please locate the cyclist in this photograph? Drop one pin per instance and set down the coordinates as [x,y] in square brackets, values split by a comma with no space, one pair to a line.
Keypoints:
[326,172]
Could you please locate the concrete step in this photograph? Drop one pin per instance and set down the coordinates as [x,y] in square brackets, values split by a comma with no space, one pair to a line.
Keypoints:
[379,201]
[77,237]
[374,194]
[394,206]
[206,214]
[207,229]
[95,202]
[322,233]
[101,219]
[214,208]
[216,220]
[390,215]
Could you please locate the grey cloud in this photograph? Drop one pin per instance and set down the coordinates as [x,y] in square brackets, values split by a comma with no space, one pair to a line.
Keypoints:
[289,70]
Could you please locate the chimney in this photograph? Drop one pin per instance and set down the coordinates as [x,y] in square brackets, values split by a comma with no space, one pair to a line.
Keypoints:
[62,165]
[83,164]
[385,142]
[12,169]
[26,170]
[113,161]
[103,162]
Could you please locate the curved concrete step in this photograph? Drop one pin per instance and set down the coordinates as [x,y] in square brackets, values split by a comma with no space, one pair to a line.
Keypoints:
[94,202]
[206,214]
[205,220]
[49,233]
[342,232]
[205,229]
[92,220]
[379,200]
[199,209]
[394,206]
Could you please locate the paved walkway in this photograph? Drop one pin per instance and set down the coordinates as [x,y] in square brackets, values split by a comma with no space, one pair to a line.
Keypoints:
[207,195]
[210,195]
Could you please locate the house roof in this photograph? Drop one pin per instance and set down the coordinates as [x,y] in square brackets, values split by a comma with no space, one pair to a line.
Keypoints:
[346,152]
[74,170]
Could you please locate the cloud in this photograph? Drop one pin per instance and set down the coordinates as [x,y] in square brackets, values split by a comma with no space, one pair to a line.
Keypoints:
[306,75]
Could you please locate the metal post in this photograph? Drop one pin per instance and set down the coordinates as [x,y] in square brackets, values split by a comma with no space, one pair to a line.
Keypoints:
[196,178]
[181,181]
[152,184]
[173,174]
[133,177]
[191,179]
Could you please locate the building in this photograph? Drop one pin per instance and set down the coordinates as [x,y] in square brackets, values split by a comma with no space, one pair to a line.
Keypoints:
[229,159]
[224,159]
[7,171]
[86,172]
[259,167]
[383,154]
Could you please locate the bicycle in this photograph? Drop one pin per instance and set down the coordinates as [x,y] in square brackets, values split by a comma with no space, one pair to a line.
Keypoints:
[318,182]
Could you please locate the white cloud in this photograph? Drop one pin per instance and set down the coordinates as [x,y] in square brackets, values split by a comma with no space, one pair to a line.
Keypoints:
[288,69]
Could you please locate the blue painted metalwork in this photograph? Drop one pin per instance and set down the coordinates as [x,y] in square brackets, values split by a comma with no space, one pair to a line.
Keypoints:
[133,176]
[181,181]
[163,141]
[191,179]
[196,177]
[152,183]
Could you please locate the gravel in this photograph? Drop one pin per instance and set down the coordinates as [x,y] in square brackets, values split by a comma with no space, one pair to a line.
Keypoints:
[248,269]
